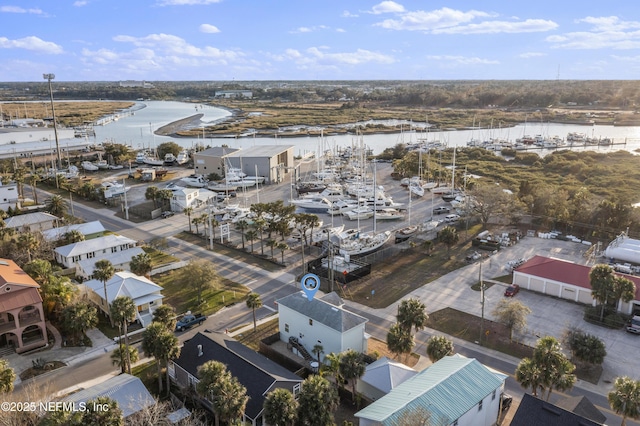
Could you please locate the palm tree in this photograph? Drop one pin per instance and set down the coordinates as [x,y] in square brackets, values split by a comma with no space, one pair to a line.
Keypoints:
[103,272]
[29,243]
[438,347]
[73,236]
[399,341]
[123,310]
[259,225]
[271,244]
[251,235]
[241,225]
[280,408]
[332,367]
[141,264]
[556,368]
[317,401]
[254,302]
[123,355]
[282,246]
[624,399]
[196,221]
[7,377]
[352,367]
[228,397]
[412,313]
[165,315]
[163,345]
[529,375]
[317,350]
[78,318]
[152,194]
[34,178]
[449,236]
[56,205]
[187,211]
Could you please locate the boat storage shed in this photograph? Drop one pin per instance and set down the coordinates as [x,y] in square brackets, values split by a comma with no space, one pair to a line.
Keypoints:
[274,162]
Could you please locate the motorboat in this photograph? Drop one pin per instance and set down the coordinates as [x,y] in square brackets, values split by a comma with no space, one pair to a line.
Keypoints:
[113,189]
[169,159]
[325,234]
[316,204]
[153,161]
[388,214]
[341,206]
[141,157]
[362,243]
[89,166]
[405,233]
[195,181]
[416,189]
[331,193]
[182,158]
[361,212]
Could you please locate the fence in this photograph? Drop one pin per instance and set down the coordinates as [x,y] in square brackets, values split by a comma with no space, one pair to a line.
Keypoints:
[168,267]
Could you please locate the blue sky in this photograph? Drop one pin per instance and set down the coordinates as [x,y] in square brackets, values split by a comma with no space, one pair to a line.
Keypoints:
[225,40]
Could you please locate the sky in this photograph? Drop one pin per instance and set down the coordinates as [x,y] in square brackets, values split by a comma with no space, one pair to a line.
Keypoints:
[240,40]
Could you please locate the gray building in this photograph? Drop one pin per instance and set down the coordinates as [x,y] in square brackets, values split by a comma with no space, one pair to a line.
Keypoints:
[211,160]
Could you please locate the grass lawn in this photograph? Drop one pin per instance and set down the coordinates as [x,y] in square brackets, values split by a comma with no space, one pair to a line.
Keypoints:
[148,373]
[231,252]
[252,338]
[159,257]
[184,298]
[105,327]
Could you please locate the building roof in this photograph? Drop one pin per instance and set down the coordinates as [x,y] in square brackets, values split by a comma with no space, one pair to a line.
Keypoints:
[385,374]
[11,273]
[93,245]
[335,317]
[19,298]
[217,151]
[566,272]
[27,219]
[120,257]
[89,228]
[129,391]
[258,374]
[447,389]
[124,283]
[581,406]
[533,411]
[260,151]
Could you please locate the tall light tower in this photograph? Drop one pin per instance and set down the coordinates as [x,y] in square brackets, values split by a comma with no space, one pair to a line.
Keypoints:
[50,77]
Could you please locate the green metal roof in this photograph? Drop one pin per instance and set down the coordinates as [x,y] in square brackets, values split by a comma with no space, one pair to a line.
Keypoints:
[447,389]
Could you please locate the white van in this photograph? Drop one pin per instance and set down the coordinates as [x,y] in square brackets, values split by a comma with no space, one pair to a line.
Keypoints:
[451,218]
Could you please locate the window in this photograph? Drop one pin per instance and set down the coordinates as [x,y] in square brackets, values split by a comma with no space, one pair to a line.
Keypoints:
[114,249]
[493,395]
[91,255]
[480,406]
[310,321]
[286,328]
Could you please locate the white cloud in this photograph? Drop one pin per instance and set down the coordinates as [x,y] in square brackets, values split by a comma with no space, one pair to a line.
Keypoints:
[494,27]
[463,60]
[430,21]
[531,55]
[606,33]
[301,30]
[31,43]
[18,9]
[80,3]
[208,28]
[387,7]
[347,14]
[185,2]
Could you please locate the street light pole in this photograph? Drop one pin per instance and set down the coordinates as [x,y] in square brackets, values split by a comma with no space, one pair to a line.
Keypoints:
[50,77]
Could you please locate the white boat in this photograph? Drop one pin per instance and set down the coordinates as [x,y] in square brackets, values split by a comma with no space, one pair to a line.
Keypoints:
[141,157]
[194,181]
[113,189]
[361,212]
[88,166]
[153,161]
[407,232]
[169,159]
[341,206]
[331,192]
[388,214]
[326,234]
[363,243]
[182,158]
[316,204]
[240,182]
[416,189]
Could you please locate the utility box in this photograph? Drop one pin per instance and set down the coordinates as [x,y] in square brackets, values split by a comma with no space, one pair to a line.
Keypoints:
[148,175]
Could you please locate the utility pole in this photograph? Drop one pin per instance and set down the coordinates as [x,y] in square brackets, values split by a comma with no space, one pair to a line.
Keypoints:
[481,303]
[50,77]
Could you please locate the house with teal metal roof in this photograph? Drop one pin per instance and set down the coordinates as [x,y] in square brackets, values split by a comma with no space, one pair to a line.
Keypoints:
[455,391]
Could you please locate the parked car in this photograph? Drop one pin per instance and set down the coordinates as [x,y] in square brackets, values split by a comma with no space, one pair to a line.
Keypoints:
[441,210]
[633,325]
[512,290]
[166,214]
[189,320]
[506,402]
[473,257]
[451,218]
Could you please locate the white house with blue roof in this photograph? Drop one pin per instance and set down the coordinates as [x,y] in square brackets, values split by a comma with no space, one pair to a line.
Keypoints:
[455,391]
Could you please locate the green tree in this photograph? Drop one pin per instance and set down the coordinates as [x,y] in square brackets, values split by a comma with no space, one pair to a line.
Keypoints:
[7,377]
[317,350]
[163,345]
[438,347]
[78,318]
[624,399]
[602,281]
[399,340]
[585,347]
[241,226]
[317,401]
[152,194]
[412,314]
[56,205]
[352,367]
[282,246]
[332,367]
[165,315]
[254,302]
[103,411]
[141,264]
[227,396]
[557,370]
[530,375]
[272,244]
[448,236]
[512,313]
[123,310]
[200,275]
[280,408]
[251,235]
[103,272]
[123,356]
[70,237]
[29,243]
[168,148]
[187,211]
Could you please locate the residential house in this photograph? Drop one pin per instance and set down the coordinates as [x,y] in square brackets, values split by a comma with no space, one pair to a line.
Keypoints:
[322,321]
[90,230]
[145,293]
[22,322]
[128,391]
[455,390]
[71,254]
[381,376]
[31,222]
[534,411]
[566,280]
[9,197]
[120,260]
[189,197]
[258,374]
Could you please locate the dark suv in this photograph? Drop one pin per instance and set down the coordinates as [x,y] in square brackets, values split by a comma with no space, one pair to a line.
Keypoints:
[441,210]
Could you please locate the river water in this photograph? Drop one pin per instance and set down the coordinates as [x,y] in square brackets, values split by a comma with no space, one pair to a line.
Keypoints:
[137,131]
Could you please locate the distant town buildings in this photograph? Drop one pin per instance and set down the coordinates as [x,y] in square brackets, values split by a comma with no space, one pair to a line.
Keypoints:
[234,94]
[134,83]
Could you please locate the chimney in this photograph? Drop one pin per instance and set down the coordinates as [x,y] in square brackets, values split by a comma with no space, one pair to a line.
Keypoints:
[199,350]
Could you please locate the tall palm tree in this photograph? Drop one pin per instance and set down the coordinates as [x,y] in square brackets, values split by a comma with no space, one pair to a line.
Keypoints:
[254,302]
[166,315]
[163,345]
[438,347]
[29,243]
[187,211]
[352,367]
[141,264]
[103,272]
[56,205]
[34,178]
[317,350]
[399,341]
[123,310]
[272,244]
[280,408]
[412,314]
[332,366]
[317,401]
[251,235]
[228,397]
[241,225]
[624,399]
[152,194]
[123,356]
[282,246]
[529,375]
